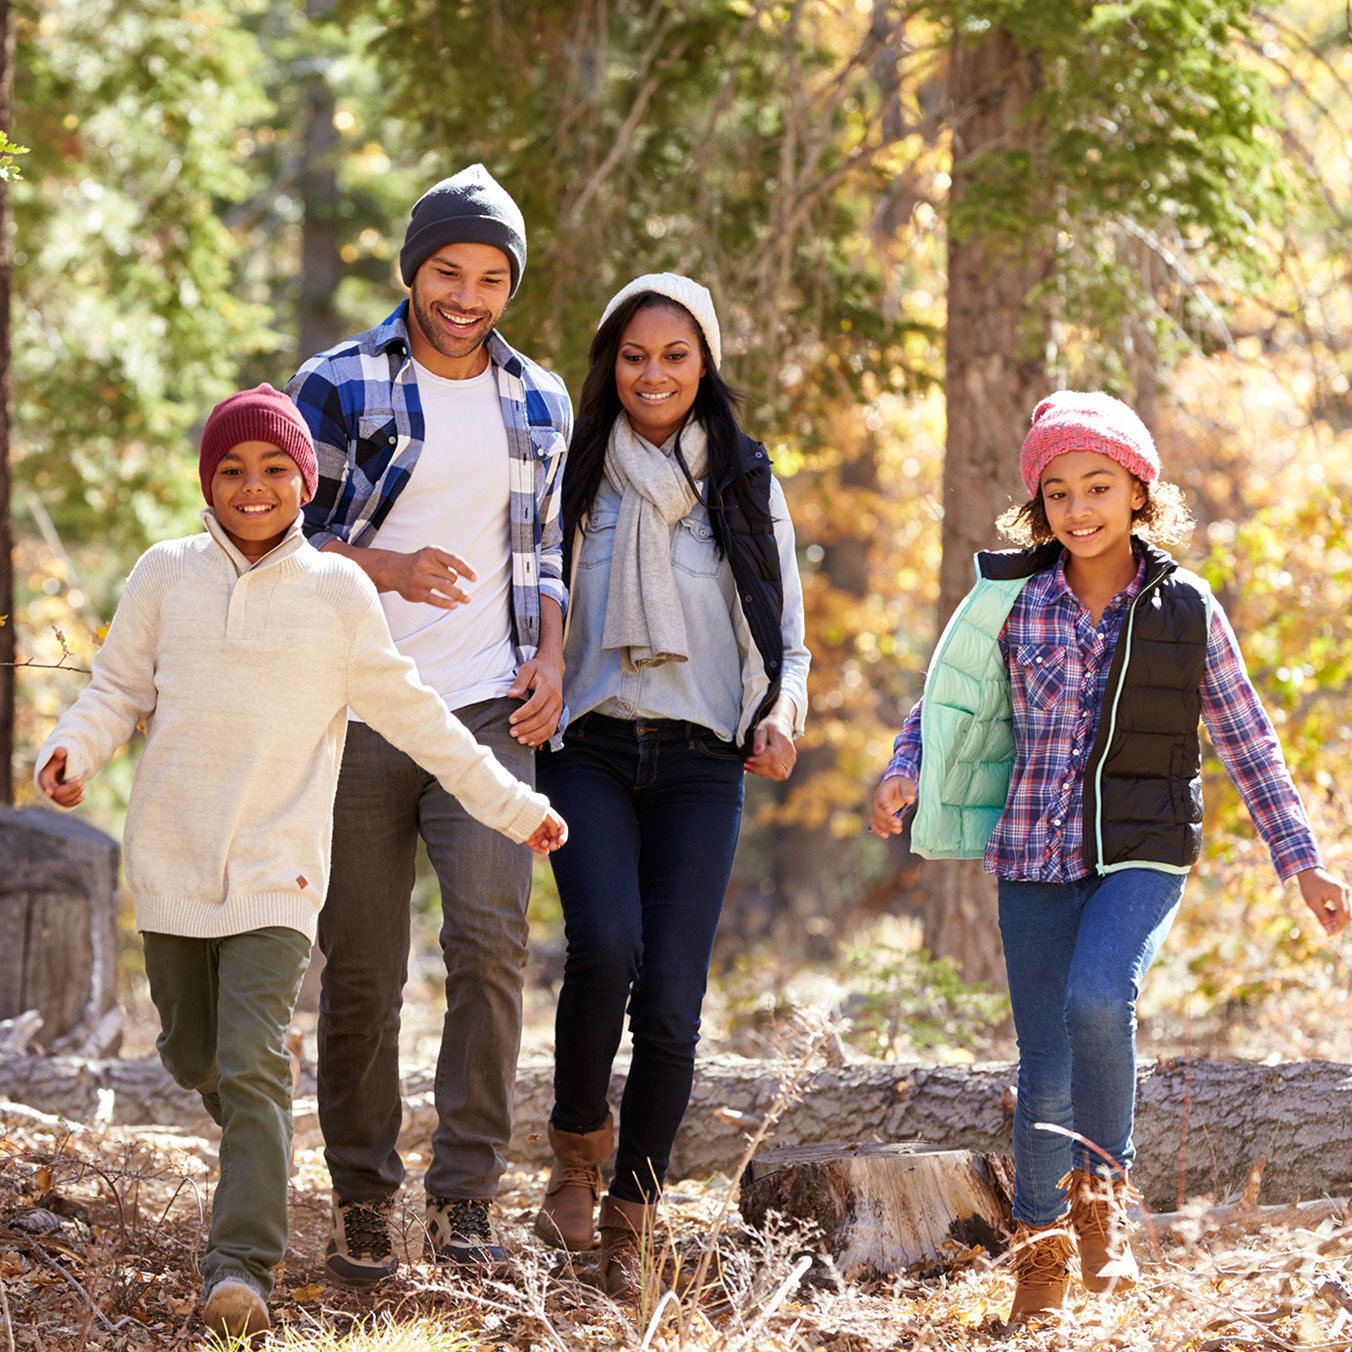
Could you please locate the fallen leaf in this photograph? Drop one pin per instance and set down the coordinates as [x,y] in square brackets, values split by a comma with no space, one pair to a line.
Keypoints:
[302,1295]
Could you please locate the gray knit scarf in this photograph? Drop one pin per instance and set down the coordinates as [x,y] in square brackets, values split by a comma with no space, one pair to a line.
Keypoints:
[644,620]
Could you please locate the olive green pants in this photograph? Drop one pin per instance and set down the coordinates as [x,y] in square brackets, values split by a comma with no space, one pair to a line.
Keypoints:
[225,1005]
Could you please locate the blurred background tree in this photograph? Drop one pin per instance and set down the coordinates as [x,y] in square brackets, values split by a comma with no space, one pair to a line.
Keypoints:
[916,220]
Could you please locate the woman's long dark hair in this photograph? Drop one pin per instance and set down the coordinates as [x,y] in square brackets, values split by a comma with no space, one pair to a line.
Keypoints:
[715,408]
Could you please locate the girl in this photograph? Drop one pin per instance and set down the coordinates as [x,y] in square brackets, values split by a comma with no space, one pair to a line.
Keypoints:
[685,665]
[1099,653]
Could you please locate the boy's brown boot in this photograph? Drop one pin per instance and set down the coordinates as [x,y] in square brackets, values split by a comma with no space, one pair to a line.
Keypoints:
[566,1220]
[1098,1211]
[628,1249]
[1040,1256]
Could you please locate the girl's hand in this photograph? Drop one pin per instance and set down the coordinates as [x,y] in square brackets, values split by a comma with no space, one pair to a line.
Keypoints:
[1326,896]
[550,834]
[890,799]
[53,782]
[772,752]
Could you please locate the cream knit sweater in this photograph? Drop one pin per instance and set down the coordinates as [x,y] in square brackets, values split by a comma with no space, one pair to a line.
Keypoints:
[243,676]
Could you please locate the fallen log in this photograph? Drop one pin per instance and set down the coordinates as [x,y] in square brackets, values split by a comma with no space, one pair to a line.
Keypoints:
[881,1209]
[1298,1115]
[1197,1222]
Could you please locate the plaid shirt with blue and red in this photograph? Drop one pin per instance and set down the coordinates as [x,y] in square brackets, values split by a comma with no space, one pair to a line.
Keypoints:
[360,399]
[1040,835]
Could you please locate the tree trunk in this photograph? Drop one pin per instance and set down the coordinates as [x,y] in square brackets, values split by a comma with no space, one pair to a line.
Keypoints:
[8,651]
[879,1209]
[995,373]
[321,265]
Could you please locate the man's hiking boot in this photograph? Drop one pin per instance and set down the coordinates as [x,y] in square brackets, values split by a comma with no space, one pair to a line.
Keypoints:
[458,1233]
[359,1252]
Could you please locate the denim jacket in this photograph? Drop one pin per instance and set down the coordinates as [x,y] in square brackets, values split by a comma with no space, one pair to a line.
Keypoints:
[721,685]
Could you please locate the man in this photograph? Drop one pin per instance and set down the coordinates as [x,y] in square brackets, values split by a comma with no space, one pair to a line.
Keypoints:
[431,432]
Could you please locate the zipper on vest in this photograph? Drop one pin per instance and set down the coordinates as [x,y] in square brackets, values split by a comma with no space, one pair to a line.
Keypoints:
[1099,866]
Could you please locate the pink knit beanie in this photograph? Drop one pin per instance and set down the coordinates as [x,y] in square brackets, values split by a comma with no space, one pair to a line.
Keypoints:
[1072,420]
[259,414]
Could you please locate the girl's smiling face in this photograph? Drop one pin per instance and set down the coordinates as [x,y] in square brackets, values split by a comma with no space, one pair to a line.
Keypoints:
[256,491]
[658,369]
[1090,500]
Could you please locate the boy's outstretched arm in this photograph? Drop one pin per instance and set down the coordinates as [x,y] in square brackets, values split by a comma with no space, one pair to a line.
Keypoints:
[550,834]
[1326,896]
[53,782]
[890,799]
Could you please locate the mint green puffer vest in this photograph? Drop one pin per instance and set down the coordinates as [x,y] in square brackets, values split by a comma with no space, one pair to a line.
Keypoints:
[967,719]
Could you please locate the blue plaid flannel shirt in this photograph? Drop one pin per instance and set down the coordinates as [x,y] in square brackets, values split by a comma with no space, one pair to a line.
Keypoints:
[1057,703]
[360,399]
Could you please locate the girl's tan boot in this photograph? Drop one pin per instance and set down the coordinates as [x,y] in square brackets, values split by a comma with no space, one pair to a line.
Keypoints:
[1040,1256]
[629,1250]
[1098,1211]
[566,1218]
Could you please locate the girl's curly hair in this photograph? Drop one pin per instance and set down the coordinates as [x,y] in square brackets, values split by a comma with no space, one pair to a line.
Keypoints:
[1163,518]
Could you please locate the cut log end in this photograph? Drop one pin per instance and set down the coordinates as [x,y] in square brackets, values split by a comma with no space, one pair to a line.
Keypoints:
[880,1209]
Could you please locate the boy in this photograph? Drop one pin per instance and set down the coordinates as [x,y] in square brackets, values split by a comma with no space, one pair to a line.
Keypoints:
[241,650]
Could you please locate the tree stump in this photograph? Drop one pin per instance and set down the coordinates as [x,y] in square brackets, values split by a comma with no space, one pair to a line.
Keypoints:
[58,921]
[882,1208]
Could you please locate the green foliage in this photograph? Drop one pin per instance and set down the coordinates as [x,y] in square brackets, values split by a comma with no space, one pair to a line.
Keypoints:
[1145,112]
[8,150]
[125,326]
[714,138]
[910,1003]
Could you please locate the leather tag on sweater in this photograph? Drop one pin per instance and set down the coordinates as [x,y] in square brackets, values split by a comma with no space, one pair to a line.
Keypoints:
[303,881]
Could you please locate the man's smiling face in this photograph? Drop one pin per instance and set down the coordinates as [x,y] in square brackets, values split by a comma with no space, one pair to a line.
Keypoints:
[458,294]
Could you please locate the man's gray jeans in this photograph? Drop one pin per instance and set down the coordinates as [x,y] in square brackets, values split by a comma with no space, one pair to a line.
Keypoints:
[385,801]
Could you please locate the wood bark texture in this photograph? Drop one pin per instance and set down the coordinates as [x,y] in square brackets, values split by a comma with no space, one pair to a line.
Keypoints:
[8,650]
[995,373]
[1292,1122]
[881,1209]
[58,921]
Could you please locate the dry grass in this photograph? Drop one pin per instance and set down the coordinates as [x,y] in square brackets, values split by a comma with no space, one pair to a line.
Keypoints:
[117,1270]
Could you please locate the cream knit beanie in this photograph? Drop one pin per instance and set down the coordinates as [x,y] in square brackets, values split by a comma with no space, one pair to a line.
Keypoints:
[686,293]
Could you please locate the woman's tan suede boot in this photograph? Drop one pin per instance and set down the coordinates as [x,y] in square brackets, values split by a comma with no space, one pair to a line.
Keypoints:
[1040,1256]
[629,1250]
[566,1218]
[1098,1211]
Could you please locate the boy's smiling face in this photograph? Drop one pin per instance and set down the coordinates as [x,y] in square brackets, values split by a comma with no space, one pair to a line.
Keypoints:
[257,491]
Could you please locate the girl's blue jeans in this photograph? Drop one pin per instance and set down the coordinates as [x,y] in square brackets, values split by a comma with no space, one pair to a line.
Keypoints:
[653,808]
[1076,954]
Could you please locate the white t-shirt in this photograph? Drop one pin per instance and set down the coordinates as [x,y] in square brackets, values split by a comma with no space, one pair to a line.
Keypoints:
[458,499]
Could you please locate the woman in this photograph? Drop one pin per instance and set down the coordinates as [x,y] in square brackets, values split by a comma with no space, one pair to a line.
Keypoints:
[685,665]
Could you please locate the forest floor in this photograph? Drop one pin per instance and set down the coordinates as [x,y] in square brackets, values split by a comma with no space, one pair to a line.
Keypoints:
[101,1231]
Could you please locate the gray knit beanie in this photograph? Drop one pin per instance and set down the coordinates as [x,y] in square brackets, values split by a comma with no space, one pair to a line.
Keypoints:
[469,207]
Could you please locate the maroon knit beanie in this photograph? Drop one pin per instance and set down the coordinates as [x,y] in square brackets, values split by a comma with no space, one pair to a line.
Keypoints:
[1073,420]
[259,414]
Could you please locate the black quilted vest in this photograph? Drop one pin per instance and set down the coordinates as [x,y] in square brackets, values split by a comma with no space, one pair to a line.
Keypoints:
[1143,778]
[753,557]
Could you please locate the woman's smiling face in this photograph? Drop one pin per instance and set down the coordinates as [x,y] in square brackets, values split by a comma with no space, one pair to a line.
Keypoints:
[658,369]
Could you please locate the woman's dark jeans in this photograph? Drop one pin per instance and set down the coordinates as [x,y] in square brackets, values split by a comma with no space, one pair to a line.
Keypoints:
[652,810]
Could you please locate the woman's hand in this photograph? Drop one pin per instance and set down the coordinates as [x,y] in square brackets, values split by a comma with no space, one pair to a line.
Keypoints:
[53,782]
[890,799]
[772,752]
[1326,896]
